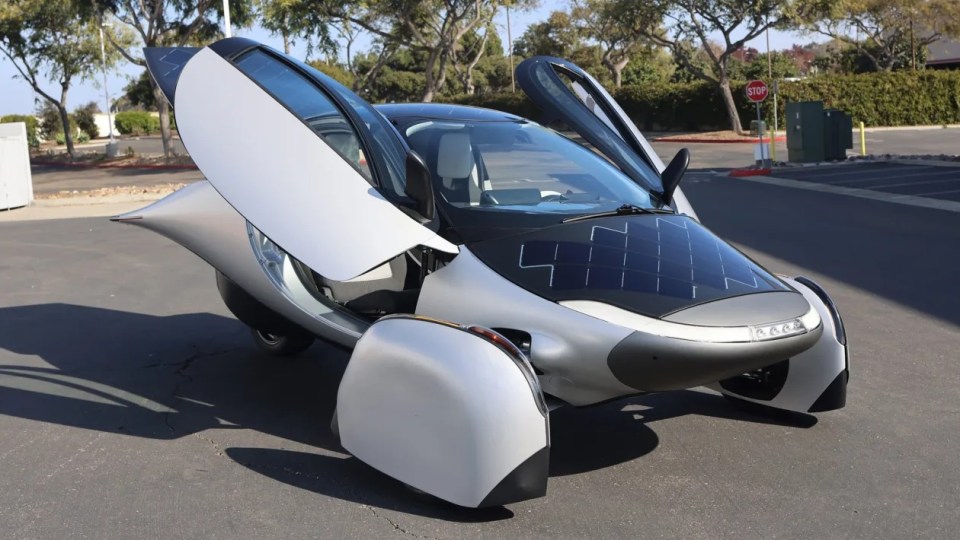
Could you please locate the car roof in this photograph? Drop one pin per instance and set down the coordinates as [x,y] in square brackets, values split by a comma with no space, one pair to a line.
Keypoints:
[444,111]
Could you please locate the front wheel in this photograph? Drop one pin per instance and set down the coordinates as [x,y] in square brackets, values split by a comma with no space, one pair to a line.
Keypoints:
[279,345]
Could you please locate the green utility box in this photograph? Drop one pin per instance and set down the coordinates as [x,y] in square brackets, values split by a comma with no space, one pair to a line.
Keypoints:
[838,134]
[815,134]
[805,131]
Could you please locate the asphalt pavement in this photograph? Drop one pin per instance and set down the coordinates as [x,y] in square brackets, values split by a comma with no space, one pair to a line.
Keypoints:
[904,178]
[133,405]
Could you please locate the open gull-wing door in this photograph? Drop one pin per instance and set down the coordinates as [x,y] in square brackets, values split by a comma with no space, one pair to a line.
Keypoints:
[307,162]
[566,92]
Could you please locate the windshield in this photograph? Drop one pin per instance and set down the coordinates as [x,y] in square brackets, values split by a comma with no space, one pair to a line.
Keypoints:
[519,167]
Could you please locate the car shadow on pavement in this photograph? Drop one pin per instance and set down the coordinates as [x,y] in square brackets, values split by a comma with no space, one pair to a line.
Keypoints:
[166,377]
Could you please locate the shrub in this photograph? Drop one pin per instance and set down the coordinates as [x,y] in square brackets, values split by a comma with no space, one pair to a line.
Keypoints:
[49,117]
[33,139]
[901,98]
[85,120]
[136,123]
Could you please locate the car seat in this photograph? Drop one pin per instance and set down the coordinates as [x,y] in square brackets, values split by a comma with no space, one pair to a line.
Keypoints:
[457,169]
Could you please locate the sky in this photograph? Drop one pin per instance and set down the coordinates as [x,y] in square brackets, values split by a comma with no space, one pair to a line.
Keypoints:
[17,97]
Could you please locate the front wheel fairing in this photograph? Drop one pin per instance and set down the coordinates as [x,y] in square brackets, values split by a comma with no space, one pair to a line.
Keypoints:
[654,265]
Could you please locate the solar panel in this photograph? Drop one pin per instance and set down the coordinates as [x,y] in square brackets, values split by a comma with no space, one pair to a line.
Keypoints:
[662,256]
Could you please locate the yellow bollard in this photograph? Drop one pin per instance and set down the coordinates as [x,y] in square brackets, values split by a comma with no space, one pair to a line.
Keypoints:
[773,144]
[863,141]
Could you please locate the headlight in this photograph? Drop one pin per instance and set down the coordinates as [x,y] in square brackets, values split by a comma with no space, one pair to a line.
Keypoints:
[778,330]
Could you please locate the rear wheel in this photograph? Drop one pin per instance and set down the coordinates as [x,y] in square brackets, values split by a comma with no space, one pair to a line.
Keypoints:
[281,345]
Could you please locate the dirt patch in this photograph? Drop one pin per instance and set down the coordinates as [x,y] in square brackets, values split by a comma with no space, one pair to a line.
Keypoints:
[98,159]
[711,135]
[155,190]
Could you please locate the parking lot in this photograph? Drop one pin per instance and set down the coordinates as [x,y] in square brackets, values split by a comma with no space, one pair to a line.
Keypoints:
[904,178]
[132,404]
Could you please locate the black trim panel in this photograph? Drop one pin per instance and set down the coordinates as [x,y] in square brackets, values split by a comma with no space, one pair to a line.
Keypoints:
[527,481]
[834,397]
[831,307]
[651,363]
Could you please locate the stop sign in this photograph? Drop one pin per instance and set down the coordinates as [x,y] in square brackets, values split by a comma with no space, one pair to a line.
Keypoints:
[757,91]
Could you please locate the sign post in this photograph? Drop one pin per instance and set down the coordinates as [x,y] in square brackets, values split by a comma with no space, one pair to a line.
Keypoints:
[757,92]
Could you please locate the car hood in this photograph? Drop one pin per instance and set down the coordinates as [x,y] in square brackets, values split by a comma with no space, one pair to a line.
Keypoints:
[654,265]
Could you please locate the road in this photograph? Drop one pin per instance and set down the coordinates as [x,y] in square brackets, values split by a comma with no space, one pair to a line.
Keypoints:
[133,405]
[879,142]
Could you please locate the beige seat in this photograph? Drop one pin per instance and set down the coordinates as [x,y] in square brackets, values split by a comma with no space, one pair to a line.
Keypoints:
[457,169]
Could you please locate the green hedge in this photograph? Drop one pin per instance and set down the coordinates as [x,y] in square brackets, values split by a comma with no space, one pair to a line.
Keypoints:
[876,99]
[900,98]
[136,123]
[33,140]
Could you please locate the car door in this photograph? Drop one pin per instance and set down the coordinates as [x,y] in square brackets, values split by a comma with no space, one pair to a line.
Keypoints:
[566,92]
[307,162]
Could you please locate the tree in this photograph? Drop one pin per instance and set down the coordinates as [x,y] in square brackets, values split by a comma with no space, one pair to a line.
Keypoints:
[802,57]
[619,27]
[694,21]
[52,41]
[290,20]
[889,33]
[139,92]
[468,54]
[556,36]
[655,66]
[171,23]
[433,26]
[779,64]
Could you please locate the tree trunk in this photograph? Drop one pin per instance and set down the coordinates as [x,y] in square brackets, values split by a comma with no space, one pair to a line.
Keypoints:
[468,85]
[730,105]
[65,120]
[165,135]
[615,69]
[430,84]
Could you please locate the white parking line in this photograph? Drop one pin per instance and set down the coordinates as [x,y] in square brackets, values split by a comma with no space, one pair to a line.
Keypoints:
[847,171]
[951,176]
[948,181]
[909,200]
[948,192]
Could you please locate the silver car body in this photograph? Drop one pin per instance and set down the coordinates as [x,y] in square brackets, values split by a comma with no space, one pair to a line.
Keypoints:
[422,399]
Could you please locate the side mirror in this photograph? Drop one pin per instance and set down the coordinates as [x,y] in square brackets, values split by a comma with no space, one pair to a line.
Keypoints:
[674,173]
[420,185]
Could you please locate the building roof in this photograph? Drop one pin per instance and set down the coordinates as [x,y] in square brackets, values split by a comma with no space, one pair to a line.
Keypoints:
[943,51]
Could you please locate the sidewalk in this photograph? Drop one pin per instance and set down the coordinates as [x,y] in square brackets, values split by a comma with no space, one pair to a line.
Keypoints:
[76,207]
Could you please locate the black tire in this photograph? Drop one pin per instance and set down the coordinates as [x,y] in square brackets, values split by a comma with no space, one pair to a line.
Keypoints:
[278,345]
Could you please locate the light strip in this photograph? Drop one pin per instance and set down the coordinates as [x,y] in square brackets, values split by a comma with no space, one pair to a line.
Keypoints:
[687,332]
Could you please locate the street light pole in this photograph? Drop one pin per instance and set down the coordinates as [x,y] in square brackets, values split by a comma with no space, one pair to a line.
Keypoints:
[513,82]
[226,18]
[111,149]
[775,86]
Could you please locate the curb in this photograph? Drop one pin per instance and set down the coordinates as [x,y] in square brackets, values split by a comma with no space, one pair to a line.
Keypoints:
[66,164]
[740,173]
[88,200]
[717,141]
